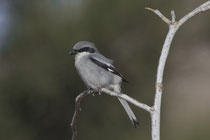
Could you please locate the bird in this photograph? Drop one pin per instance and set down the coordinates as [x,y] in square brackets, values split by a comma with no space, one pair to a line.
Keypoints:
[97,72]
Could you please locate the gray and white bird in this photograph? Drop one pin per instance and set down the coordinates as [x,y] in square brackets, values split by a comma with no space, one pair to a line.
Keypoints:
[98,72]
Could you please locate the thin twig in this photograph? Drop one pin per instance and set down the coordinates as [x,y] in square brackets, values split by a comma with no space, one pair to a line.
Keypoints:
[158,13]
[202,8]
[76,113]
[173,17]
[129,99]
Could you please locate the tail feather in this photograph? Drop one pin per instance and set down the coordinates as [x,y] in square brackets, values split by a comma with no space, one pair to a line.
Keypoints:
[130,113]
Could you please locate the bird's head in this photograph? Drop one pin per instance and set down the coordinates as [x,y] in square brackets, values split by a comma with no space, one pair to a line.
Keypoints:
[83,47]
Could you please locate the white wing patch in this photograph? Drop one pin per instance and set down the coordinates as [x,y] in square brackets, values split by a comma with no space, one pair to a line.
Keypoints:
[110,70]
[107,67]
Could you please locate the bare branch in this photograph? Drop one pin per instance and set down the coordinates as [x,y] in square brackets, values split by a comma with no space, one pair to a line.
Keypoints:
[173,16]
[76,113]
[158,13]
[173,27]
[129,99]
[204,7]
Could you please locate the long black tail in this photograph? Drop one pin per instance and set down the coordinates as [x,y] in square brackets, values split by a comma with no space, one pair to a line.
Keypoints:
[129,112]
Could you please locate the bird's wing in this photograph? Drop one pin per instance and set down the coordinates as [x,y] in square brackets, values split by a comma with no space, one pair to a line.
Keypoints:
[102,58]
[106,64]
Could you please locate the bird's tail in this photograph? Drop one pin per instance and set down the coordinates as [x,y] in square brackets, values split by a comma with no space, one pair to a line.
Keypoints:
[129,112]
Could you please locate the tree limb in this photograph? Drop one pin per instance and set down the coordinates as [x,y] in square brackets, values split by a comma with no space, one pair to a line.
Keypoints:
[173,27]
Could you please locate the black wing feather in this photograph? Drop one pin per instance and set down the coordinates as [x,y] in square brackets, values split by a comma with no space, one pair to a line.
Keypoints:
[108,68]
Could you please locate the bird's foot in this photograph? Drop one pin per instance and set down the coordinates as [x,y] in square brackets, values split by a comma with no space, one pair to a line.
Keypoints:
[92,92]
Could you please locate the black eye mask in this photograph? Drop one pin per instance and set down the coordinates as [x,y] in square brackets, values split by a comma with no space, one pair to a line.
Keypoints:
[86,49]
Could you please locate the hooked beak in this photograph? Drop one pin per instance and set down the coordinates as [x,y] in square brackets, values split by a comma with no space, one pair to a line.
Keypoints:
[73,52]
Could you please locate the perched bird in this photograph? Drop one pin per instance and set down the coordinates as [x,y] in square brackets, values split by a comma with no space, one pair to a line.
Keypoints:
[98,72]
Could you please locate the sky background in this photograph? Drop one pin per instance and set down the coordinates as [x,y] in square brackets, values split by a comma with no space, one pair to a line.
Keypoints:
[39,83]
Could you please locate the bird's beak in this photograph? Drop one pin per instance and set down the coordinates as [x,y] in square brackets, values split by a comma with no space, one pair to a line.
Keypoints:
[73,52]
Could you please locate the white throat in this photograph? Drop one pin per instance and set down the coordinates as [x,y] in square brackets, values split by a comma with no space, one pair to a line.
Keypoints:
[80,55]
